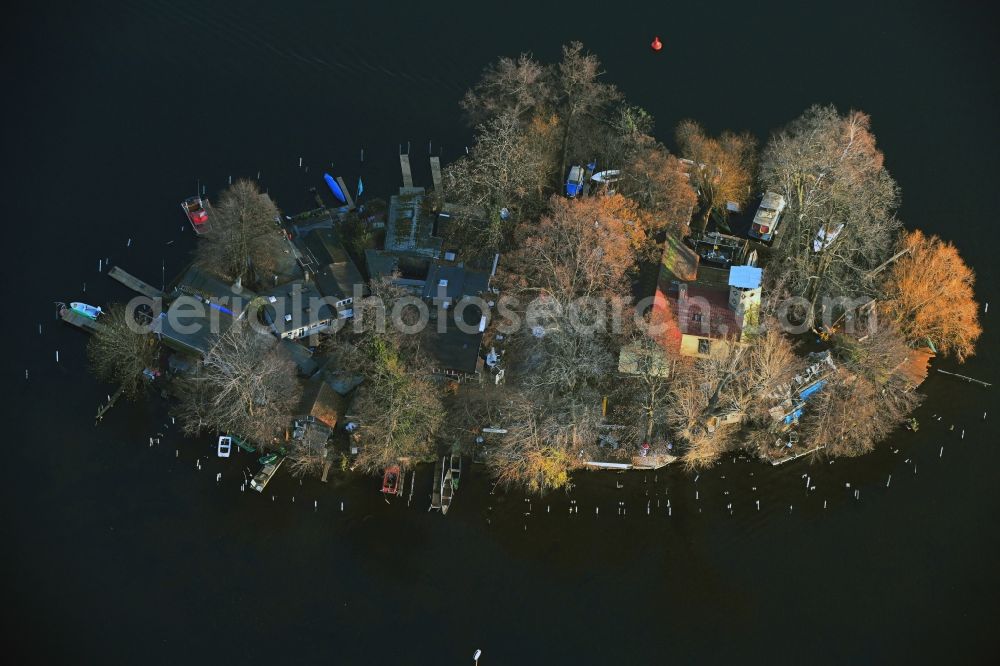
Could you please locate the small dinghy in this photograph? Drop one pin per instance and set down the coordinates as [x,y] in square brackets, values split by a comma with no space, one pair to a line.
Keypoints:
[335,188]
[225,446]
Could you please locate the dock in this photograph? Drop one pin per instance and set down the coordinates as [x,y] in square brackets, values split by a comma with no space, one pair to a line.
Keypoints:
[436,484]
[436,172]
[968,379]
[781,461]
[404,164]
[134,283]
[76,319]
[347,193]
[103,409]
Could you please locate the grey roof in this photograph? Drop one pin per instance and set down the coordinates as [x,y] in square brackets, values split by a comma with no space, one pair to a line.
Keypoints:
[331,266]
[454,281]
[196,282]
[456,349]
[302,300]
[302,357]
[191,325]
[409,228]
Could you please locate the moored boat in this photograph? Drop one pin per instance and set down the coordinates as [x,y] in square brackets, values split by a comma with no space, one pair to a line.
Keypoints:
[88,311]
[197,213]
[225,446]
[391,480]
[335,188]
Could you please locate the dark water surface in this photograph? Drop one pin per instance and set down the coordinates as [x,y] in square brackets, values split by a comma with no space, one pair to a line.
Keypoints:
[116,552]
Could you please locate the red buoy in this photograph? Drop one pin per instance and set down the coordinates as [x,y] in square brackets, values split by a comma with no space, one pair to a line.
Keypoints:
[657,44]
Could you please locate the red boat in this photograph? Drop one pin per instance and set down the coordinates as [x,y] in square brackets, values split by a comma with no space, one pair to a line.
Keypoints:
[196,210]
[391,480]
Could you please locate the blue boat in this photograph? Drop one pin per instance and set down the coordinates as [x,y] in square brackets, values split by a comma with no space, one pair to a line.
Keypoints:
[334,187]
[574,183]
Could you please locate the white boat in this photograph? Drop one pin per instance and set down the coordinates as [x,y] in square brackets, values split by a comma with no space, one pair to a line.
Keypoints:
[825,238]
[225,446]
[609,176]
[88,311]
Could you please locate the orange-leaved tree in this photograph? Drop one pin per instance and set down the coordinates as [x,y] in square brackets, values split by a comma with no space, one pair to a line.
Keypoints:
[929,294]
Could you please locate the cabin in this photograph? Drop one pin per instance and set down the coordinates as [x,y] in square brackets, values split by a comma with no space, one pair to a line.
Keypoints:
[202,308]
[297,310]
[700,311]
[325,261]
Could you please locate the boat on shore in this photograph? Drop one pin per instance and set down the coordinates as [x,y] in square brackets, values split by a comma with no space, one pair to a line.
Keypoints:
[196,210]
[88,311]
[574,182]
[449,481]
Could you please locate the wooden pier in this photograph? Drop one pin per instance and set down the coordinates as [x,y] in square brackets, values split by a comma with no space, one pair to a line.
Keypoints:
[436,485]
[968,379]
[790,458]
[436,172]
[134,283]
[76,319]
[347,193]
[103,409]
[404,164]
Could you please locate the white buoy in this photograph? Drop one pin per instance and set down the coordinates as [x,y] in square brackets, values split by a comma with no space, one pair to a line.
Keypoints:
[670,511]
[941,452]
[57,356]
[230,180]
[888,481]
[341,506]
[758,505]
[696,494]
[315,505]
[824,504]
[129,244]
[963,434]
[25,374]
[99,264]
[300,162]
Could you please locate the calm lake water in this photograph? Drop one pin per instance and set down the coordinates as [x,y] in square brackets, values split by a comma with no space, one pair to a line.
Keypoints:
[118,552]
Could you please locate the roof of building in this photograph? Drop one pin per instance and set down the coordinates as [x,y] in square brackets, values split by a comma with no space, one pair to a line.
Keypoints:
[745,277]
[329,264]
[296,305]
[679,259]
[191,325]
[196,282]
[409,228]
[322,402]
[454,282]
[455,349]
[300,355]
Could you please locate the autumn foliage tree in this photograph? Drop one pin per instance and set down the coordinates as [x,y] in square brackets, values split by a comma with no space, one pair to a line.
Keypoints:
[657,181]
[723,168]
[929,294]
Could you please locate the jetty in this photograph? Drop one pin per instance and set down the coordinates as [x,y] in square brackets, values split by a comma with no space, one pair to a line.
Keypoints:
[436,172]
[963,377]
[347,193]
[103,409]
[781,461]
[404,164]
[73,317]
[437,480]
[134,283]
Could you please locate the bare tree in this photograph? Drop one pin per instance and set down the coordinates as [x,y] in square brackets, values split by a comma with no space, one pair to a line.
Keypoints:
[831,173]
[519,87]
[244,386]
[507,168]
[400,411]
[579,93]
[244,240]
[118,353]
[543,444]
